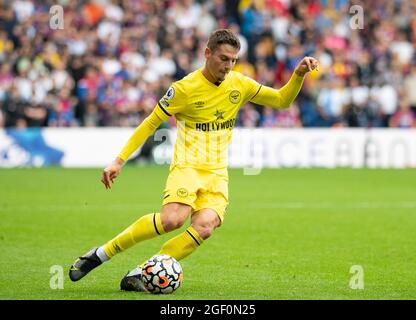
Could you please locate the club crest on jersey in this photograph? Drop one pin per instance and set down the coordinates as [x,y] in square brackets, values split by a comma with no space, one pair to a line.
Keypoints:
[182,192]
[235,96]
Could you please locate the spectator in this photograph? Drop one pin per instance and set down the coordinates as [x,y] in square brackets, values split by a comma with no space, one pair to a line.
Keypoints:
[250,117]
[288,118]
[386,96]
[269,119]
[403,117]
[331,101]
[409,87]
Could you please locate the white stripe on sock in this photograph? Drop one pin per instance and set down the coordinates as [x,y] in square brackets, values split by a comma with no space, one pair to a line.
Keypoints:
[102,255]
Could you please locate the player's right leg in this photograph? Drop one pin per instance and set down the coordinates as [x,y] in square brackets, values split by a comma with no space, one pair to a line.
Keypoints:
[147,227]
[144,228]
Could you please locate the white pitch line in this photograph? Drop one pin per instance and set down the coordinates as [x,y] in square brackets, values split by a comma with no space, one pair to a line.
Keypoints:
[333,205]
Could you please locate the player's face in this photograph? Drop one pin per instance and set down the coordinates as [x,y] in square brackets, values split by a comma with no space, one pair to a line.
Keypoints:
[221,61]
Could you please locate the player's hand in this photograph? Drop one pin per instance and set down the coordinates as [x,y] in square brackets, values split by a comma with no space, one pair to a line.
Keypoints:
[111,172]
[307,64]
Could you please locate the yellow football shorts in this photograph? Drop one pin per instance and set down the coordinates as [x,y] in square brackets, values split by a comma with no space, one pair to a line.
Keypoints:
[198,188]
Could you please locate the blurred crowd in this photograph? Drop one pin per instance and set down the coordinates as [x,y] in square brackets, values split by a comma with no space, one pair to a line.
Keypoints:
[114,59]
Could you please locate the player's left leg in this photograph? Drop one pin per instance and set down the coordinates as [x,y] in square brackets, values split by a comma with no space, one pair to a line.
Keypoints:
[172,216]
[202,226]
[209,211]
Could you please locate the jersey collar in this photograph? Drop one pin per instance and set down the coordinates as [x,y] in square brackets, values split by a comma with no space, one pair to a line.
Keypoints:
[209,82]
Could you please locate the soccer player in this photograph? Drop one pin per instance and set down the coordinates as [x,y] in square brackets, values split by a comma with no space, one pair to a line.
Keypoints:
[205,104]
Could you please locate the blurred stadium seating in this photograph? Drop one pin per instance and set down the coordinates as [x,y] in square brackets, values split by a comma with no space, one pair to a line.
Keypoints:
[112,60]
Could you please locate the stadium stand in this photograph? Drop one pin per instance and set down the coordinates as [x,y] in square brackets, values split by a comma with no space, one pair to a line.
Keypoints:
[112,60]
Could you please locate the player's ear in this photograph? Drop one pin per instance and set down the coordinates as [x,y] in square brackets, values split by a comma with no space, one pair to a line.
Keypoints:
[208,52]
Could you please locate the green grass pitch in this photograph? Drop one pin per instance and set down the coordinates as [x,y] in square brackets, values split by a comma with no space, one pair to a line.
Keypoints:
[288,234]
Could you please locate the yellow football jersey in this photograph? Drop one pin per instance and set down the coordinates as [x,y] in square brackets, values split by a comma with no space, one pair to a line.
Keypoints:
[205,115]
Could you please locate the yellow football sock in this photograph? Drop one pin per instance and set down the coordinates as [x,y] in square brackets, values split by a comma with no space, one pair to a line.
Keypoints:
[182,245]
[146,227]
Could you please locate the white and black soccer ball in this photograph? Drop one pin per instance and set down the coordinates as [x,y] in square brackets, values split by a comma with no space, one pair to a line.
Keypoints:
[162,274]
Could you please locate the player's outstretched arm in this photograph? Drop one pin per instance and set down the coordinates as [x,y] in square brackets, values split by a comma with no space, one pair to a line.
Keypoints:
[142,132]
[284,97]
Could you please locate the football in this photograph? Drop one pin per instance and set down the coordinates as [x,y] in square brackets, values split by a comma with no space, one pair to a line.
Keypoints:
[162,274]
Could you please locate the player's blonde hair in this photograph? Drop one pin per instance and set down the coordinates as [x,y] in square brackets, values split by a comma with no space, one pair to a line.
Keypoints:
[223,36]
